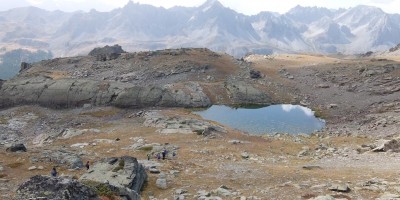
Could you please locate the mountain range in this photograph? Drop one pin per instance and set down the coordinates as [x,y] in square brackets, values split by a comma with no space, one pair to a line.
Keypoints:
[139,27]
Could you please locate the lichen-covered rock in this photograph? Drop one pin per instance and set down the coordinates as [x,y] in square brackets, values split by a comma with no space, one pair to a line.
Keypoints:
[56,188]
[124,173]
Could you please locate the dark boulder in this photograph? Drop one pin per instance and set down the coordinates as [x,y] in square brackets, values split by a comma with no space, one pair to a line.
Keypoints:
[58,188]
[16,147]
[107,52]
[255,74]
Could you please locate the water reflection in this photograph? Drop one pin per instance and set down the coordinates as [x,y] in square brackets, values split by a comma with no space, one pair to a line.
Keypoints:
[284,118]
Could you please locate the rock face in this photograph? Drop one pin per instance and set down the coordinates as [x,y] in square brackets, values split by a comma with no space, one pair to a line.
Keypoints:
[244,92]
[107,52]
[71,93]
[60,188]
[125,173]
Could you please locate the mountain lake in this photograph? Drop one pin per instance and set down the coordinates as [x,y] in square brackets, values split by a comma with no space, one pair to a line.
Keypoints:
[283,118]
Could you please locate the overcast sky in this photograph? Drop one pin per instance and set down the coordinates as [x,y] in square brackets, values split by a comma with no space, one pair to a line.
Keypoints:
[244,6]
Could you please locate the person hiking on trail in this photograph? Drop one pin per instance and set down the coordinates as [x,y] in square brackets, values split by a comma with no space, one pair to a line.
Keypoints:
[53,172]
[164,153]
[87,165]
[148,156]
[158,156]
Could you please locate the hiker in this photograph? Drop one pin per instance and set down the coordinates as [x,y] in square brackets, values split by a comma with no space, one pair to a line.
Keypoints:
[53,172]
[164,153]
[87,165]
[148,156]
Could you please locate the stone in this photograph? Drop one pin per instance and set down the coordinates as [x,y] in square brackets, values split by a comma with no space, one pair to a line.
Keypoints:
[245,155]
[40,167]
[154,170]
[223,191]
[235,141]
[387,145]
[339,188]
[332,105]
[45,187]
[327,197]
[32,168]
[323,85]
[203,193]
[161,182]
[1,168]
[16,147]
[304,152]
[180,191]
[254,74]
[124,173]
[311,167]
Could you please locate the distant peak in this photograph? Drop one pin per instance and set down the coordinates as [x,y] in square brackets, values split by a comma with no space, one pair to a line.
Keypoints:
[368,8]
[212,3]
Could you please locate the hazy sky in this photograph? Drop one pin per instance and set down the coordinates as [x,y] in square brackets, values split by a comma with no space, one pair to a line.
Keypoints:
[243,6]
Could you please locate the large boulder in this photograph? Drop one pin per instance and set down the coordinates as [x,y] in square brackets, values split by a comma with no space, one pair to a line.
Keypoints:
[59,188]
[124,173]
[107,52]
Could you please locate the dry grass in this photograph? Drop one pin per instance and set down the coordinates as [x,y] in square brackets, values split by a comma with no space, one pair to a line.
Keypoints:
[202,163]
[15,165]
[105,112]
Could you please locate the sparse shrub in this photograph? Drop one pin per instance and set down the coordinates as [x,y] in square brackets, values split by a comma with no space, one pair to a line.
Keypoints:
[15,165]
[101,189]
[319,113]
[101,113]
[146,148]
[199,131]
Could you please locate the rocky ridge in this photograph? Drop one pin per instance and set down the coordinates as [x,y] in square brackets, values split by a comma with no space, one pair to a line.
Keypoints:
[166,78]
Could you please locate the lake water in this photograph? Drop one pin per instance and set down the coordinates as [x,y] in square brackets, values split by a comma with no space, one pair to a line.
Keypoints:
[284,118]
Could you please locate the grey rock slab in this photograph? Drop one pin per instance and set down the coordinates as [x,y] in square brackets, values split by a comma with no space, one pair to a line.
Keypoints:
[339,188]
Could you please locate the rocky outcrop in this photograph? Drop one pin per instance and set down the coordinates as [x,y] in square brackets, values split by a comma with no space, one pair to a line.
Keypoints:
[107,52]
[72,92]
[24,66]
[242,92]
[125,173]
[60,188]
[165,78]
